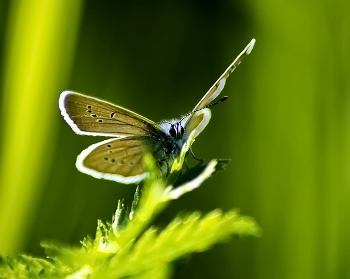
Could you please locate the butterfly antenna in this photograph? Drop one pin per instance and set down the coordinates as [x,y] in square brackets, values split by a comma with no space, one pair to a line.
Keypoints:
[224,98]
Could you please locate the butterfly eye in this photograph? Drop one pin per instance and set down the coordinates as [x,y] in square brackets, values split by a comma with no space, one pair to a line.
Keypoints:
[172,131]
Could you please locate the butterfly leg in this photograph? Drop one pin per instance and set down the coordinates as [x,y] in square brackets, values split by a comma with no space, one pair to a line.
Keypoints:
[160,165]
[194,157]
[167,168]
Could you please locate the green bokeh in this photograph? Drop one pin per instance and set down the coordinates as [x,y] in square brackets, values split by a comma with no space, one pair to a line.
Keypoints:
[286,125]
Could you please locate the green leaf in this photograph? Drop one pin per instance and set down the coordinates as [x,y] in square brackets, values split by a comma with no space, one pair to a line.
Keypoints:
[24,266]
[193,172]
[130,246]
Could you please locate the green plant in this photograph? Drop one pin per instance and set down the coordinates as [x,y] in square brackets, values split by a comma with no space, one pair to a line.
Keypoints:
[130,247]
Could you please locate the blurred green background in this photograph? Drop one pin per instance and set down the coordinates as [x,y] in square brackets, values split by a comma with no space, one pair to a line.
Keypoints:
[286,125]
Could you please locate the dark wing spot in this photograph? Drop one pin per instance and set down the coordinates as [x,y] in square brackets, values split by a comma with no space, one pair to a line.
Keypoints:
[108,145]
[106,159]
[89,107]
[112,114]
[89,111]
[100,120]
[113,160]
[110,151]
[93,115]
[122,162]
[131,163]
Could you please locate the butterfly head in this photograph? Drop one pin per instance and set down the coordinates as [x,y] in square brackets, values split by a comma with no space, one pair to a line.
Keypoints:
[176,130]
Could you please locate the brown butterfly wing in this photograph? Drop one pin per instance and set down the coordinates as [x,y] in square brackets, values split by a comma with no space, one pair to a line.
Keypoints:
[117,159]
[217,87]
[91,116]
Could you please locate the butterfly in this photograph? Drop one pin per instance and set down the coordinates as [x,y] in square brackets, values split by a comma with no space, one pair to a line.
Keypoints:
[120,158]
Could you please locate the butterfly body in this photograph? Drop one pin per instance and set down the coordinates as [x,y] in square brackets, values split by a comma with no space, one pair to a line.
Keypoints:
[121,157]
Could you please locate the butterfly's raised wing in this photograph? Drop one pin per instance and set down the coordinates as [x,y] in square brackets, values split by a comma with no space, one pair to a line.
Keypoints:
[198,122]
[215,90]
[91,116]
[119,159]
[217,87]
